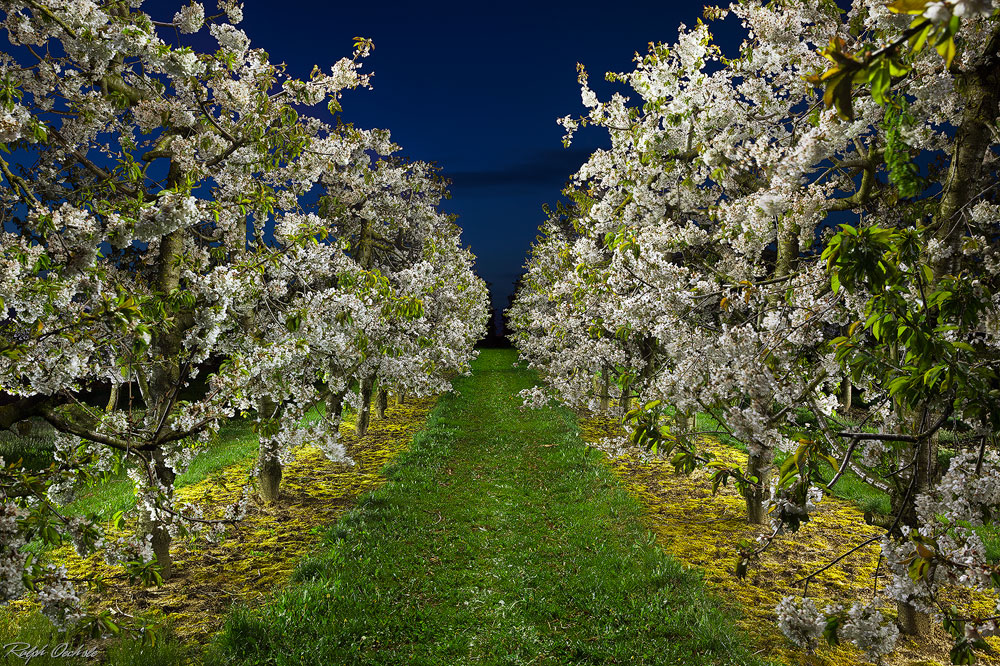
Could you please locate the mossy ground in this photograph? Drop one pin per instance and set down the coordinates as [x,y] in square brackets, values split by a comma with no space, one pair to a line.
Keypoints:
[702,530]
[259,553]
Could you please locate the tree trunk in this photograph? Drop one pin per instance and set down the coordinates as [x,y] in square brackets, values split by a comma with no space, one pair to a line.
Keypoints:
[269,479]
[113,398]
[381,403]
[911,621]
[605,388]
[846,394]
[364,412]
[926,471]
[161,549]
[760,463]
[980,88]
[164,383]
[625,402]
[788,247]
[683,422]
[757,496]
[159,528]
[335,407]
[269,470]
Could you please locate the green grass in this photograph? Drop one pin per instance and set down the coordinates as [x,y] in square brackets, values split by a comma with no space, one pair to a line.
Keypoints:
[165,651]
[853,489]
[34,630]
[849,487]
[159,649]
[500,538]
[236,443]
[33,449]
[990,534]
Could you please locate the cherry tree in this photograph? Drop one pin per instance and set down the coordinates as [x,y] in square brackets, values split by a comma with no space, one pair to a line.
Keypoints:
[139,166]
[706,238]
[145,182]
[391,297]
[391,219]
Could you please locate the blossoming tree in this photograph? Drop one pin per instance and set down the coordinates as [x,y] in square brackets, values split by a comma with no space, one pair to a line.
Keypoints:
[703,242]
[154,209]
[395,300]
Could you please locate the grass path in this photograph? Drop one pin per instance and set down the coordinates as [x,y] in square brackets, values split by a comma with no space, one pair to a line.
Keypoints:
[501,538]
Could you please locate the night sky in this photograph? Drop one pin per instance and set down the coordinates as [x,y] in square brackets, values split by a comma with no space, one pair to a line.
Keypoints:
[477,88]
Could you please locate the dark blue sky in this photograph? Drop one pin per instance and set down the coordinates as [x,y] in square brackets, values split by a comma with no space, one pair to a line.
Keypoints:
[475,87]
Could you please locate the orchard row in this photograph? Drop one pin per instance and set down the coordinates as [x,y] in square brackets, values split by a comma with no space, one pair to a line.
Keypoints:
[183,244]
[775,234]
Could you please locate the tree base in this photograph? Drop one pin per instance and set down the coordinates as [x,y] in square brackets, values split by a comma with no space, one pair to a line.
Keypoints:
[161,547]
[381,403]
[911,621]
[365,412]
[269,481]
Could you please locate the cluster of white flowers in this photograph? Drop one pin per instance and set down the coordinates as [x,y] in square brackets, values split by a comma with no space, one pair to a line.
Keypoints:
[233,10]
[12,557]
[963,495]
[174,211]
[132,548]
[13,123]
[867,628]
[231,39]
[190,18]
[183,64]
[58,598]
[801,621]
[535,398]
[941,12]
[863,625]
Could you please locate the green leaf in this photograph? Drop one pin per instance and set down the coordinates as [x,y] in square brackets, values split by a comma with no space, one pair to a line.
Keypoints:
[918,569]
[947,51]
[830,631]
[909,6]
[879,80]
[842,96]
[962,653]
[927,273]
[953,625]
[930,377]
[897,68]
[898,384]
[918,40]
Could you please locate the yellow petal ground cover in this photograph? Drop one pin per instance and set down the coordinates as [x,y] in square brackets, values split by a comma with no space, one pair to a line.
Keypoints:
[702,531]
[260,552]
